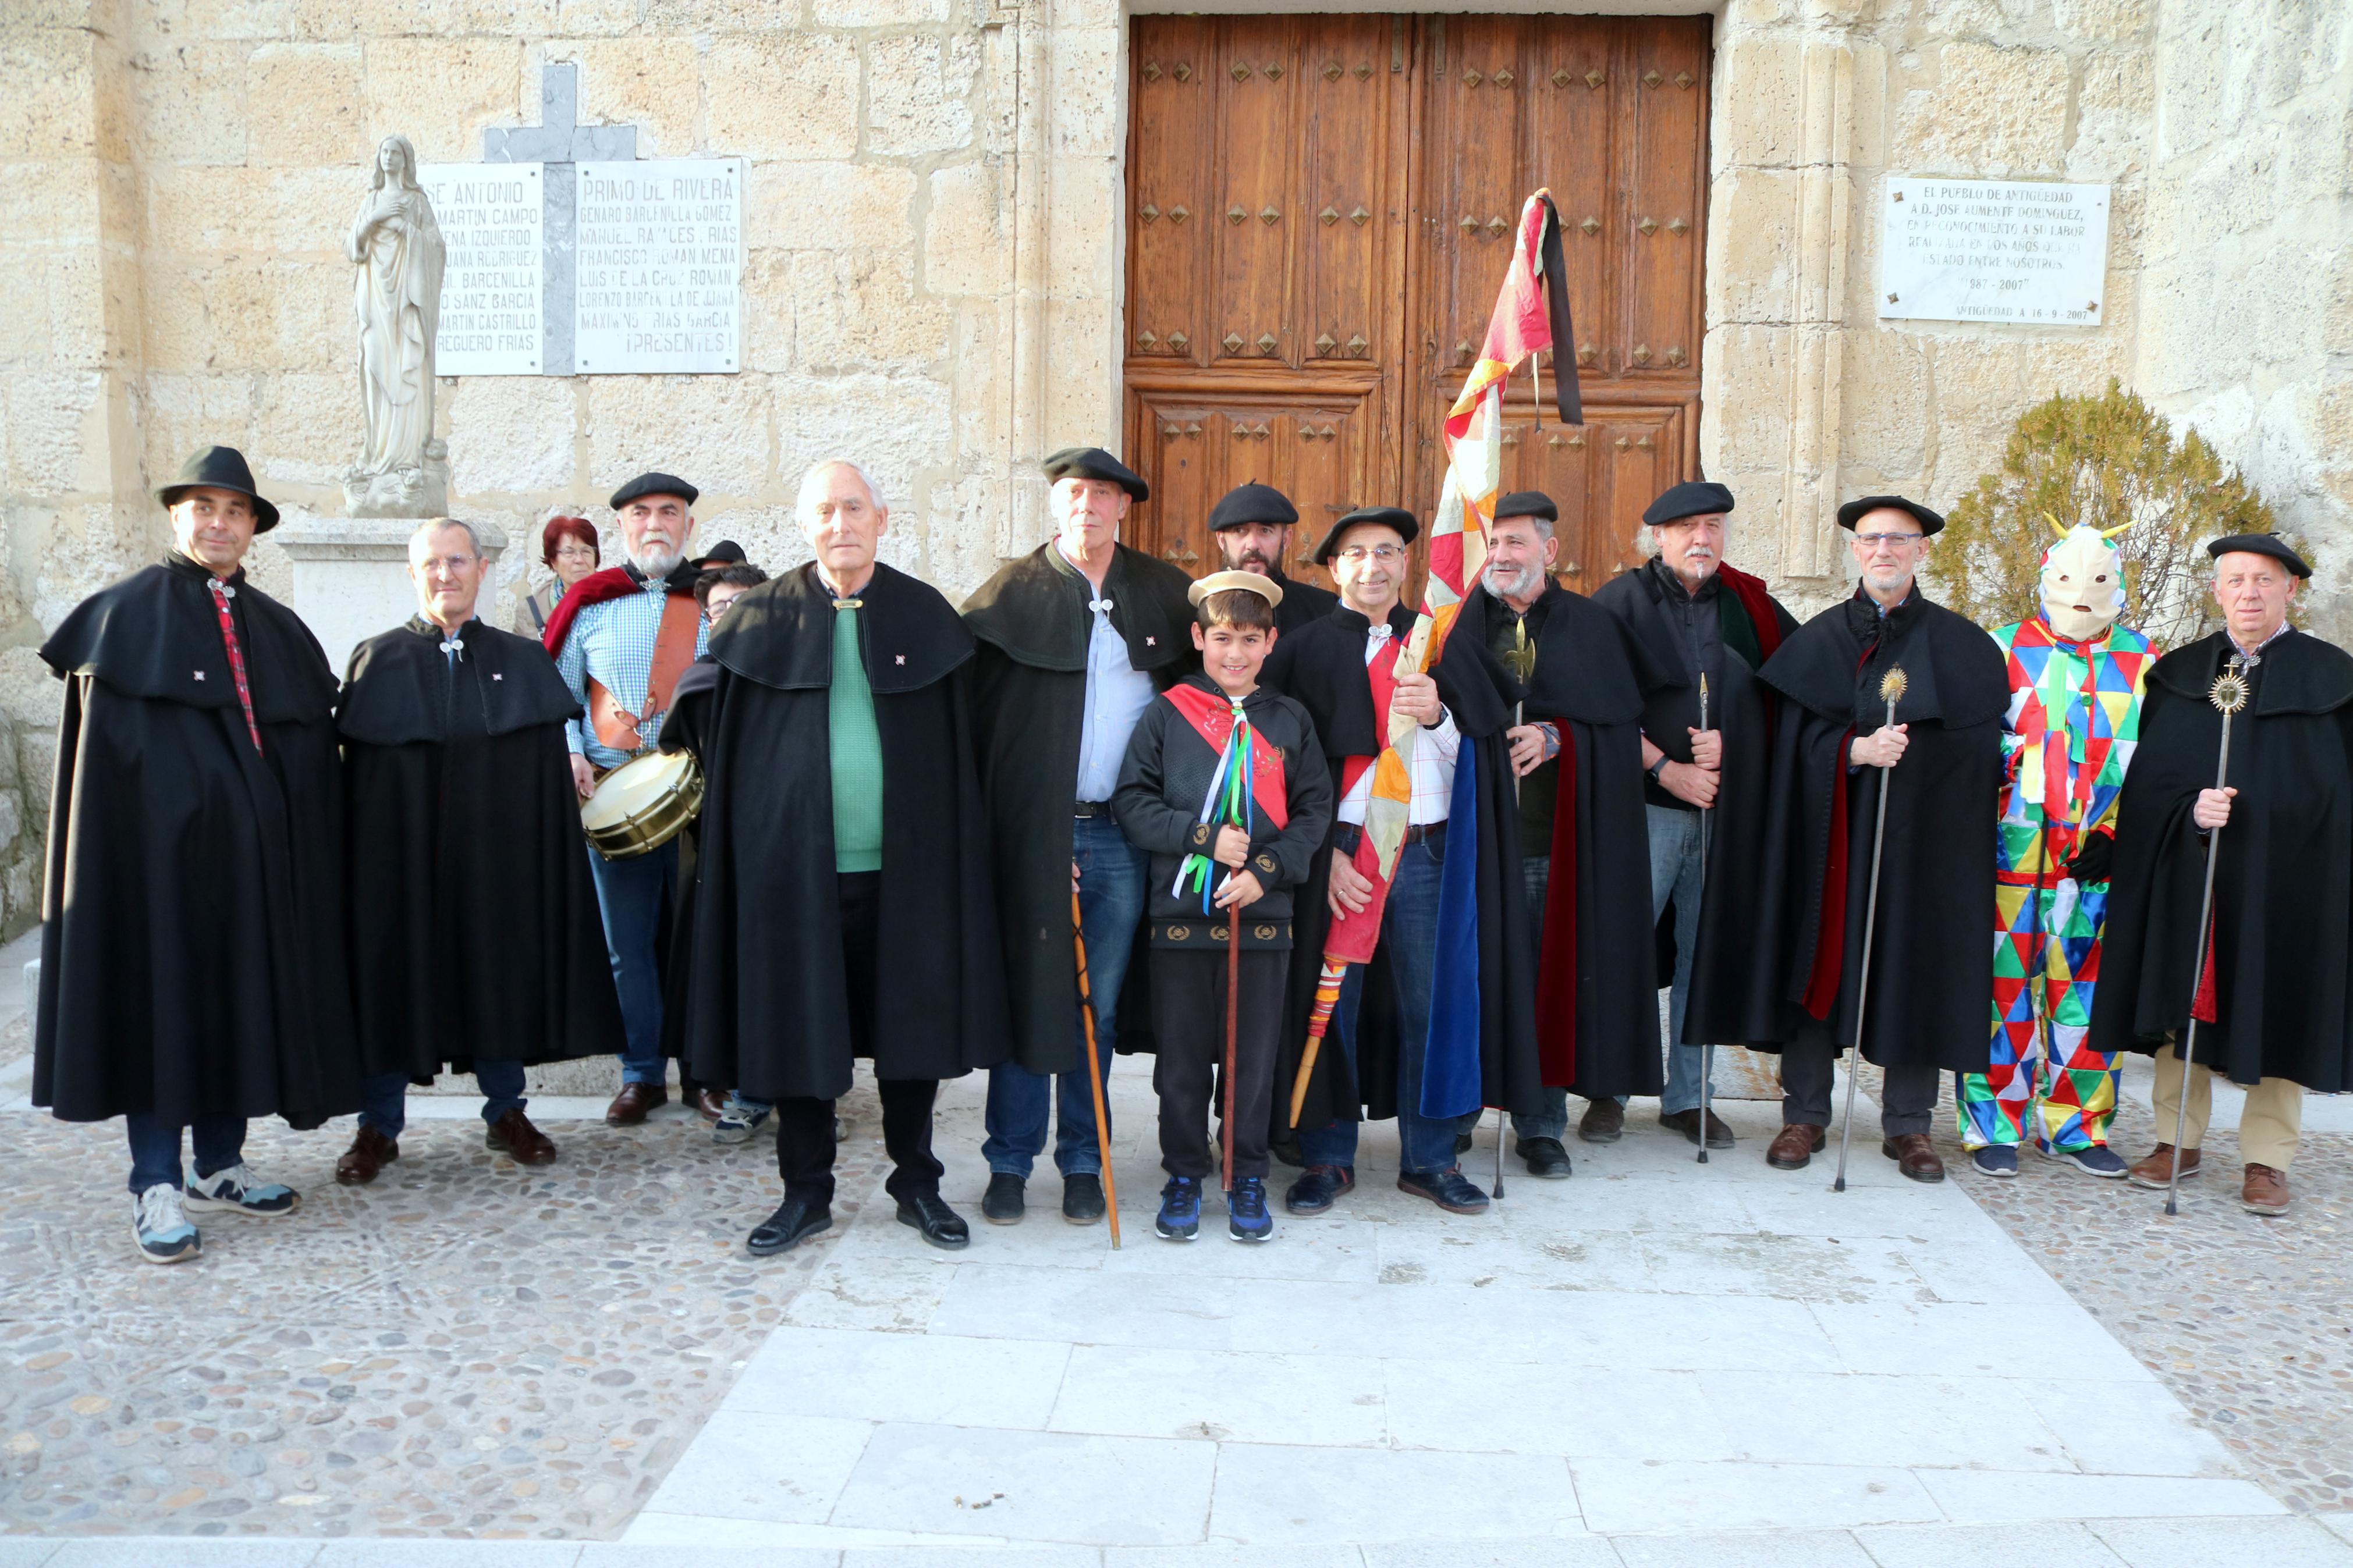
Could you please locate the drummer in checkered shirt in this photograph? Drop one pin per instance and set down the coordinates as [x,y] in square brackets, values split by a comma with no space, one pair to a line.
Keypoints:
[621,637]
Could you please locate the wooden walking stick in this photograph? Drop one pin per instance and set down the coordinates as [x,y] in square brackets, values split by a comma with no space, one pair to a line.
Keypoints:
[1704,1047]
[1233,1020]
[1094,1072]
[2228,694]
[1891,692]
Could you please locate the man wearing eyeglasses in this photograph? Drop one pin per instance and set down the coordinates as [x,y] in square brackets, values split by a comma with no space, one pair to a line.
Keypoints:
[1342,670]
[1794,985]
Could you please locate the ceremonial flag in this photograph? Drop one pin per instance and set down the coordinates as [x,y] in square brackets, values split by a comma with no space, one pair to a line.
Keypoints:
[1531,314]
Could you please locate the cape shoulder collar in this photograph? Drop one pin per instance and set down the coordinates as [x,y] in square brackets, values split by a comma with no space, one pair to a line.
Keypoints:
[1035,610]
[781,633]
[2300,673]
[398,687]
[1954,675]
[1583,672]
[156,636]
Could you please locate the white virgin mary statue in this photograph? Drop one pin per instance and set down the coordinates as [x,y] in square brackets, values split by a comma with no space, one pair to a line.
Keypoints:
[403,470]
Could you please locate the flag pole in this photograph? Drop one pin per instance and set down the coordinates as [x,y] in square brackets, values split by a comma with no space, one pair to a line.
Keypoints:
[1705,1049]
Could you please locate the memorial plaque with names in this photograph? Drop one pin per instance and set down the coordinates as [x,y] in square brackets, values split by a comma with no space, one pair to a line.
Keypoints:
[1993,250]
[660,265]
[491,221]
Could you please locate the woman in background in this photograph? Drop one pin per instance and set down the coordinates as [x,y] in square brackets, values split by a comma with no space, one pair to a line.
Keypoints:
[567,546]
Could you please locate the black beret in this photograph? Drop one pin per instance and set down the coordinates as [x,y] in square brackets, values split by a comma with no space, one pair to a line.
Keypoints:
[1252,503]
[1094,463]
[1929,522]
[2270,544]
[1527,503]
[653,485]
[220,469]
[726,553]
[1692,498]
[1396,517]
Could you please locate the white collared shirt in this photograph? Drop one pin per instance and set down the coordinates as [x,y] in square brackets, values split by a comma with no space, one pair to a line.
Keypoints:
[1433,758]
[1117,695]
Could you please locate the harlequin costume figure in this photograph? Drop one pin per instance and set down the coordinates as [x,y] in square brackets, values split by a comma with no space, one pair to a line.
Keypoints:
[2076,683]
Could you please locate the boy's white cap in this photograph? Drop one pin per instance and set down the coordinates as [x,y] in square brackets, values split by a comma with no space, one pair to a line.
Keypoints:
[1247,582]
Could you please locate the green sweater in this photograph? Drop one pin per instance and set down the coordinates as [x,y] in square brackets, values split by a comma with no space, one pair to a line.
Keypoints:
[855,742]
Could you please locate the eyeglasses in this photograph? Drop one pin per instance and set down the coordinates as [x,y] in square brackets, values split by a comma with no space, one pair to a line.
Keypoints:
[1873,540]
[1386,554]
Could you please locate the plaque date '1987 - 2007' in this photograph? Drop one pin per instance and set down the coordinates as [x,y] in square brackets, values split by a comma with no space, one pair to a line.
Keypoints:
[1989,250]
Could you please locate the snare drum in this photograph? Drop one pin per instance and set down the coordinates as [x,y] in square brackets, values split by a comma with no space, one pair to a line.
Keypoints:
[641,806]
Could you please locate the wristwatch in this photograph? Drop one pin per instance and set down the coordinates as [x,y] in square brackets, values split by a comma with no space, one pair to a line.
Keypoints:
[1655,769]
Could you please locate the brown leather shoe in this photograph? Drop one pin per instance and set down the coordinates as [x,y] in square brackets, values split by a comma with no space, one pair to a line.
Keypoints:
[1686,1123]
[513,1133]
[2153,1171]
[1914,1156]
[709,1103]
[632,1105]
[369,1153]
[2264,1192]
[1795,1146]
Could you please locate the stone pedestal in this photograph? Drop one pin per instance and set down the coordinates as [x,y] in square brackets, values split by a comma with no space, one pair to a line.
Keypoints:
[351,576]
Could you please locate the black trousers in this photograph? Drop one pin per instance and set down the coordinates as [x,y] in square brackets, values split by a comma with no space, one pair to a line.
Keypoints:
[1188,1015]
[1907,1100]
[805,1124]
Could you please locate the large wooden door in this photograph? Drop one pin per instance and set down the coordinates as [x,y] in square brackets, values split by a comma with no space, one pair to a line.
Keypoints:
[1321,209]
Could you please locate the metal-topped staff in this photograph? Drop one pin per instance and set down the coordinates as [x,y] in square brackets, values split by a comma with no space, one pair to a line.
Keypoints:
[1094,1071]
[1703,877]
[1891,692]
[1522,662]
[2228,694]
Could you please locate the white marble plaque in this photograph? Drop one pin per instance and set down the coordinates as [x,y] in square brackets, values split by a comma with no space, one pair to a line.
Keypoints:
[1993,250]
[493,222]
[660,265]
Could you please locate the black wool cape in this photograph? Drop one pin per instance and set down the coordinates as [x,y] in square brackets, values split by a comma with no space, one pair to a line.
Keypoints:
[769,1008]
[192,959]
[474,929]
[1743,710]
[1303,602]
[1932,962]
[1029,711]
[1597,1005]
[2283,881]
[1322,667]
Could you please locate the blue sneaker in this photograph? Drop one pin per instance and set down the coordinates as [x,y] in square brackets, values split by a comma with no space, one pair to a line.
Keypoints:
[160,1226]
[239,1190]
[1180,1209]
[1246,1215]
[1995,1159]
[2093,1159]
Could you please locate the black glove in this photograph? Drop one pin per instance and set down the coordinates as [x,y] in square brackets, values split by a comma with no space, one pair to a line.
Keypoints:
[2095,859]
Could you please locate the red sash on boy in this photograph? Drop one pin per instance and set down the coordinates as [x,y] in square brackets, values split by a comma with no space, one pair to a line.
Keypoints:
[1353,937]
[1211,714]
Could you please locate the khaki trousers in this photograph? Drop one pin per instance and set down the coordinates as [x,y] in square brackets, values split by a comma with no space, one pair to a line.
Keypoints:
[2269,1126]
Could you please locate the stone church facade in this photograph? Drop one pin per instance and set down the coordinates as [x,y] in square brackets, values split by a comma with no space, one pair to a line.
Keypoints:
[939,218]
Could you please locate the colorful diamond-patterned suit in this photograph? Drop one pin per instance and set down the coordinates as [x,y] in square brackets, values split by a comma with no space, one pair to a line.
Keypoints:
[2075,717]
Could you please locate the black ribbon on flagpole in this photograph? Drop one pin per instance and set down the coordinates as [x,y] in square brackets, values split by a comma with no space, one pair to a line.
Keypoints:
[1564,334]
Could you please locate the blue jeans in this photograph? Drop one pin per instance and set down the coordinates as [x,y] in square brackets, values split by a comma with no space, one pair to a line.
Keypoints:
[1409,933]
[384,1096]
[1677,873]
[632,895]
[156,1149]
[1111,903]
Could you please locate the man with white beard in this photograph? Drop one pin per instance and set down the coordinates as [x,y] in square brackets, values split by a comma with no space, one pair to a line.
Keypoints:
[621,639]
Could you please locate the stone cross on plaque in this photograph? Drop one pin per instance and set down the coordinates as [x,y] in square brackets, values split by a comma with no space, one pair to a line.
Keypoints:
[559,142]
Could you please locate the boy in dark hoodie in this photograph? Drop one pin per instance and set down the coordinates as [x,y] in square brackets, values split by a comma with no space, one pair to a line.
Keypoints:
[1225,786]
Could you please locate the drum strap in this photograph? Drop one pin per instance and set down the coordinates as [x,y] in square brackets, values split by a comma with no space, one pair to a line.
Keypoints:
[618,727]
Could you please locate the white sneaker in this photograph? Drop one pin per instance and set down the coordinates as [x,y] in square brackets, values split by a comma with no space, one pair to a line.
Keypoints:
[239,1190]
[160,1225]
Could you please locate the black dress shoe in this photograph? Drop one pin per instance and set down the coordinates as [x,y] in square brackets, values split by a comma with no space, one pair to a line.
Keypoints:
[1545,1157]
[1318,1187]
[1686,1123]
[1604,1122]
[795,1220]
[1082,1199]
[1448,1189]
[1002,1204]
[1286,1150]
[940,1225]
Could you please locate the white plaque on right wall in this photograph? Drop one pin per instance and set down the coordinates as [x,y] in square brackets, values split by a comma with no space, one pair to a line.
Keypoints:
[1993,250]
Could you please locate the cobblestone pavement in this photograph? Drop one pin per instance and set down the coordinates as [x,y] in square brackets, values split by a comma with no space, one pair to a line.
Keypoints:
[465,1348]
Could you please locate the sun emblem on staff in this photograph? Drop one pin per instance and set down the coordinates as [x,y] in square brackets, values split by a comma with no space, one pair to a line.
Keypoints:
[2229,693]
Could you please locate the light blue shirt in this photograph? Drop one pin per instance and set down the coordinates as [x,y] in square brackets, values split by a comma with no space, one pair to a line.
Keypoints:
[1117,695]
[614,641]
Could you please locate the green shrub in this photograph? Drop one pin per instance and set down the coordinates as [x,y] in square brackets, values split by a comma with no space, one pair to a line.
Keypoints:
[2108,461]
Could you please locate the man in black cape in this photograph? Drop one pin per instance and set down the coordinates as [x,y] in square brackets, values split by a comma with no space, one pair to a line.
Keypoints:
[476,945]
[1076,639]
[1790,982]
[192,958]
[1407,1015]
[1251,525]
[1585,867]
[1696,615]
[2272,1006]
[844,907]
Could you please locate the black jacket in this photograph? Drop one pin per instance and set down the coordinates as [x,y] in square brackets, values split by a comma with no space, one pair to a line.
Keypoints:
[1167,776]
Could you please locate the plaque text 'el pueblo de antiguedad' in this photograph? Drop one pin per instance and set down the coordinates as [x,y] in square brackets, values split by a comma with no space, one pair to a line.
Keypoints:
[1991,250]
[493,222]
[659,260]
